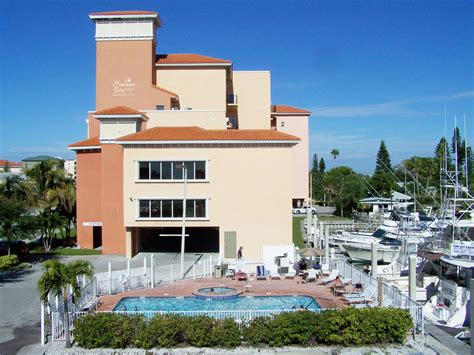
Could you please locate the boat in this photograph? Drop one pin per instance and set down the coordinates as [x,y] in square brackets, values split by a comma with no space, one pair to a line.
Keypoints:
[387,252]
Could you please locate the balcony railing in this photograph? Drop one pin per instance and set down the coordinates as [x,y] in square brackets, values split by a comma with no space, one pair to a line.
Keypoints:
[232,99]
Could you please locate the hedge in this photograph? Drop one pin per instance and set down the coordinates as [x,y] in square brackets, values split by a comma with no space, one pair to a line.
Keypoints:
[8,261]
[304,328]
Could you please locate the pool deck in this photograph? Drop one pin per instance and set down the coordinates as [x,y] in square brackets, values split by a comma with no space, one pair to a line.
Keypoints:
[322,293]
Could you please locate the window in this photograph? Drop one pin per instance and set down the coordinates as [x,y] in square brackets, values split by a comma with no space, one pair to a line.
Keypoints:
[172,209]
[172,170]
[160,107]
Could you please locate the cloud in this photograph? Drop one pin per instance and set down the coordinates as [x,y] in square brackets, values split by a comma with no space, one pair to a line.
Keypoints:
[398,108]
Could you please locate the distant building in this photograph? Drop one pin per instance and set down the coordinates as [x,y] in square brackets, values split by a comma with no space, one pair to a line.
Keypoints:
[28,163]
[70,168]
[7,166]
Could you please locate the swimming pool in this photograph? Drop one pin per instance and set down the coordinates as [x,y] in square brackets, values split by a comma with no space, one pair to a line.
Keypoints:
[247,303]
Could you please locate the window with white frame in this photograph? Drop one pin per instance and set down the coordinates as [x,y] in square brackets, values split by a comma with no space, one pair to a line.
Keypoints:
[172,208]
[171,170]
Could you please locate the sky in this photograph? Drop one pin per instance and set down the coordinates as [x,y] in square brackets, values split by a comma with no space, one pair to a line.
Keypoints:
[398,71]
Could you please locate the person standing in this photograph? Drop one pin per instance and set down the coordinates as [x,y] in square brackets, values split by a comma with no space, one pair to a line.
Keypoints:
[239,253]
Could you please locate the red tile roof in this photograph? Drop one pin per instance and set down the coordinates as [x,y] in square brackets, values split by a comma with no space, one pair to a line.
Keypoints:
[123,13]
[11,164]
[200,134]
[90,142]
[287,109]
[118,110]
[188,58]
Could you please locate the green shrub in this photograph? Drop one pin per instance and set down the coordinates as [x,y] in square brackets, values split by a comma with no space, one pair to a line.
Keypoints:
[293,328]
[362,326]
[106,330]
[161,331]
[8,261]
[332,327]
[200,331]
[227,333]
[258,331]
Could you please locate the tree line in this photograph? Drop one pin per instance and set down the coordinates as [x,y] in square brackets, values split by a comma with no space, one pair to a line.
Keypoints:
[419,177]
[43,205]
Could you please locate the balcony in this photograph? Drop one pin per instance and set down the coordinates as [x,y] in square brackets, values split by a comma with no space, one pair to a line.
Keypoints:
[232,99]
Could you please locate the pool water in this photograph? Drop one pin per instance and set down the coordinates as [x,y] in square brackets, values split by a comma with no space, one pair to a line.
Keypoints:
[142,304]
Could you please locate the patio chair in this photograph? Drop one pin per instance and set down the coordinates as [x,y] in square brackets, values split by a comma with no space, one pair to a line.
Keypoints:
[230,273]
[332,276]
[261,272]
[311,275]
[291,274]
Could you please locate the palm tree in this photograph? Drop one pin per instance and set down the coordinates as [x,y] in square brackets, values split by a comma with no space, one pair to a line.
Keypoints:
[334,153]
[14,187]
[65,196]
[57,278]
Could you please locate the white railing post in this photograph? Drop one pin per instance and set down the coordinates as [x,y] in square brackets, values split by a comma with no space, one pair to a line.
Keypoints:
[210,266]
[152,272]
[53,326]
[42,325]
[110,278]
[203,268]
[145,281]
[194,270]
[171,273]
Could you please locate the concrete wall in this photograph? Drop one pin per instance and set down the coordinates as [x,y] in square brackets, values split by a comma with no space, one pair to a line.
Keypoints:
[297,126]
[88,195]
[181,118]
[113,230]
[253,95]
[249,191]
[125,75]
[199,89]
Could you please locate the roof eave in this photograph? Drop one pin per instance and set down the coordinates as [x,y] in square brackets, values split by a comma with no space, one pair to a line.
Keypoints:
[193,64]
[156,17]
[241,141]
[85,147]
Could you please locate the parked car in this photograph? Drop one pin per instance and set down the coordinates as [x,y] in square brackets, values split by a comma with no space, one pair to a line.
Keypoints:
[19,248]
[304,209]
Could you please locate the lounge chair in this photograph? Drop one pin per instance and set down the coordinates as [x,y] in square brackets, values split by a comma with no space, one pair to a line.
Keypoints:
[311,275]
[386,302]
[241,276]
[291,274]
[365,297]
[332,276]
[274,275]
[367,291]
[261,273]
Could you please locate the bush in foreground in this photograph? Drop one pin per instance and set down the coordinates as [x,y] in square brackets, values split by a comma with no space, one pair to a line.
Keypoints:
[332,327]
[8,261]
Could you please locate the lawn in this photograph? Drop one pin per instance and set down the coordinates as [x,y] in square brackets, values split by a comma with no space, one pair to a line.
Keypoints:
[333,218]
[298,240]
[65,251]
[68,251]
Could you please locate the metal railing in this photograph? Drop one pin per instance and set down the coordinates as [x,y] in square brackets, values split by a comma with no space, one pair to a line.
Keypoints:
[399,299]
